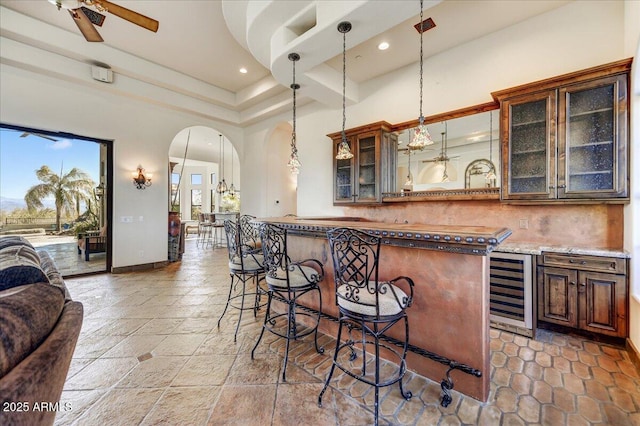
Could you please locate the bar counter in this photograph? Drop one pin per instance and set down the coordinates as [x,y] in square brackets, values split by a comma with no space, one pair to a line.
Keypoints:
[449,317]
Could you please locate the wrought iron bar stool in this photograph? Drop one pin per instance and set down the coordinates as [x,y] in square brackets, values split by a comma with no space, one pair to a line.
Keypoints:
[245,265]
[369,306]
[217,228]
[204,229]
[288,281]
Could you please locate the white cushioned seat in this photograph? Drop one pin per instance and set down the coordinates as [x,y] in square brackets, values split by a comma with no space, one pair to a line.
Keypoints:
[366,304]
[298,277]
[252,262]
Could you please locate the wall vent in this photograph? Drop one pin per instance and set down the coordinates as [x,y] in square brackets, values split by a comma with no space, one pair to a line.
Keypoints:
[427,24]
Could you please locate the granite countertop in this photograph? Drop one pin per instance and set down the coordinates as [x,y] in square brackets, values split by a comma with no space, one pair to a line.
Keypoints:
[528,248]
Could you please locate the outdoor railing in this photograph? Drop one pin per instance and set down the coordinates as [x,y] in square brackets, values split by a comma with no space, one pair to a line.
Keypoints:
[29,221]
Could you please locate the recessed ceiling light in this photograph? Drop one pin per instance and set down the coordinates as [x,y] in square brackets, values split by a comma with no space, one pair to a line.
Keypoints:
[243,70]
[383,46]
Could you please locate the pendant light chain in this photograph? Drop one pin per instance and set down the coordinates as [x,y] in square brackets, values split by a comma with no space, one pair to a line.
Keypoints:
[421,137]
[294,162]
[491,174]
[222,185]
[344,152]
[344,84]
[421,62]
[294,86]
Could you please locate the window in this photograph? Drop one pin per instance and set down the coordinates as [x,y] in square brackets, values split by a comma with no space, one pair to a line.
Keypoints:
[196,179]
[196,203]
[213,200]
[175,192]
[213,179]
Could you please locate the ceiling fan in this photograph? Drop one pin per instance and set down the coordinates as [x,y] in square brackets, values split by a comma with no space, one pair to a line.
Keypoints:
[86,26]
[443,153]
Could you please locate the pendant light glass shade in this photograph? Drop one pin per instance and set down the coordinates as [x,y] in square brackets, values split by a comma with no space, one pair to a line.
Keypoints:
[421,135]
[344,152]
[294,163]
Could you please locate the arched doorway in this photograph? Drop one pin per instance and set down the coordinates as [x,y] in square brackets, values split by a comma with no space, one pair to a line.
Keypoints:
[200,158]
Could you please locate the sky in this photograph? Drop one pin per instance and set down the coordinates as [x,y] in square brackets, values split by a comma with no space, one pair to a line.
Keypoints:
[21,157]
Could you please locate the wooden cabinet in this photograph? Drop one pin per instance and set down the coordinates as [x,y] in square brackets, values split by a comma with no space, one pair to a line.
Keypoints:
[372,170]
[583,292]
[566,138]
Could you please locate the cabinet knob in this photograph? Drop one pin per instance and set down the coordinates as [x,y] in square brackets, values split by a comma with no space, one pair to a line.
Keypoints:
[572,282]
[552,187]
[562,186]
[582,262]
[582,285]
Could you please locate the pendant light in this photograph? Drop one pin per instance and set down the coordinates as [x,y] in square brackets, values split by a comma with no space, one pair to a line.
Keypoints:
[222,185]
[232,188]
[443,154]
[491,174]
[344,152]
[294,162]
[409,181]
[421,136]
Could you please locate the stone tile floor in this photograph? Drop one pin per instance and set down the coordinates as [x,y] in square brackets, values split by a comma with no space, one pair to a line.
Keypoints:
[150,353]
[64,251]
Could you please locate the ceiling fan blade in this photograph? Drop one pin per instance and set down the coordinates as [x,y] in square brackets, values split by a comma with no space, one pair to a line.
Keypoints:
[130,15]
[25,134]
[85,26]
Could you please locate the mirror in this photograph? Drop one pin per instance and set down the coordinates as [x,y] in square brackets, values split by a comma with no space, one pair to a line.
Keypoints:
[465,153]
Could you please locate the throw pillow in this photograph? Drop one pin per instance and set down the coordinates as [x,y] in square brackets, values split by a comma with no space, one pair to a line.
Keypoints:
[19,265]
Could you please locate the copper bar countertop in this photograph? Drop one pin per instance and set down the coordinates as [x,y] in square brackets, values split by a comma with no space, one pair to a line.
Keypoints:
[477,240]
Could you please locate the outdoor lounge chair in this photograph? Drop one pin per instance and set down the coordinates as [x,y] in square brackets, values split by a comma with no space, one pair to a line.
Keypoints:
[92,242]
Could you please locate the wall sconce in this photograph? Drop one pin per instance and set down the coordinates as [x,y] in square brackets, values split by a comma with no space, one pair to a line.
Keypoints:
[140,180]
[98,191]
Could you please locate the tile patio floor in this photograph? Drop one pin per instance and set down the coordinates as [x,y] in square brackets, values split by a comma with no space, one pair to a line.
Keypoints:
[150,353]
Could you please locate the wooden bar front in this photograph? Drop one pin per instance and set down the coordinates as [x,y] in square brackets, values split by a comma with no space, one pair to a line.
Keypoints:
[450,267]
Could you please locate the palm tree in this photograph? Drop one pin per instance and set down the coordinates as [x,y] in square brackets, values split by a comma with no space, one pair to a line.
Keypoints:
[67,191]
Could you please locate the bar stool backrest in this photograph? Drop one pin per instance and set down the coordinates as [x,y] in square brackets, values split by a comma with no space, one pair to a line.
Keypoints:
[274,249]
[231,229]
[242,257]
[249,234]
[355,257]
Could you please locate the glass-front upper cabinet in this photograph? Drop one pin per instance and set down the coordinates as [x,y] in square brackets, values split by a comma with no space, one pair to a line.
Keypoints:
[594,126]
[531,155]
[363,178]
[567,137]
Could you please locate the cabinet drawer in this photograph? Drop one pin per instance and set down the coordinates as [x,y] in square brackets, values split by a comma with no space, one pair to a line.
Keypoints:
[586,263]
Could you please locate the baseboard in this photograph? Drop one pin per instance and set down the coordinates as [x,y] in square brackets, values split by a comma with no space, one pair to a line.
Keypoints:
[634,354]
[141,267]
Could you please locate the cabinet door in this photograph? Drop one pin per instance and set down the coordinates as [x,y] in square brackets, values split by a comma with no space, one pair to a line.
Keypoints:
[367,156]
[592,134]
[529,146]
[557,296]
[343,176]
[603,302]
